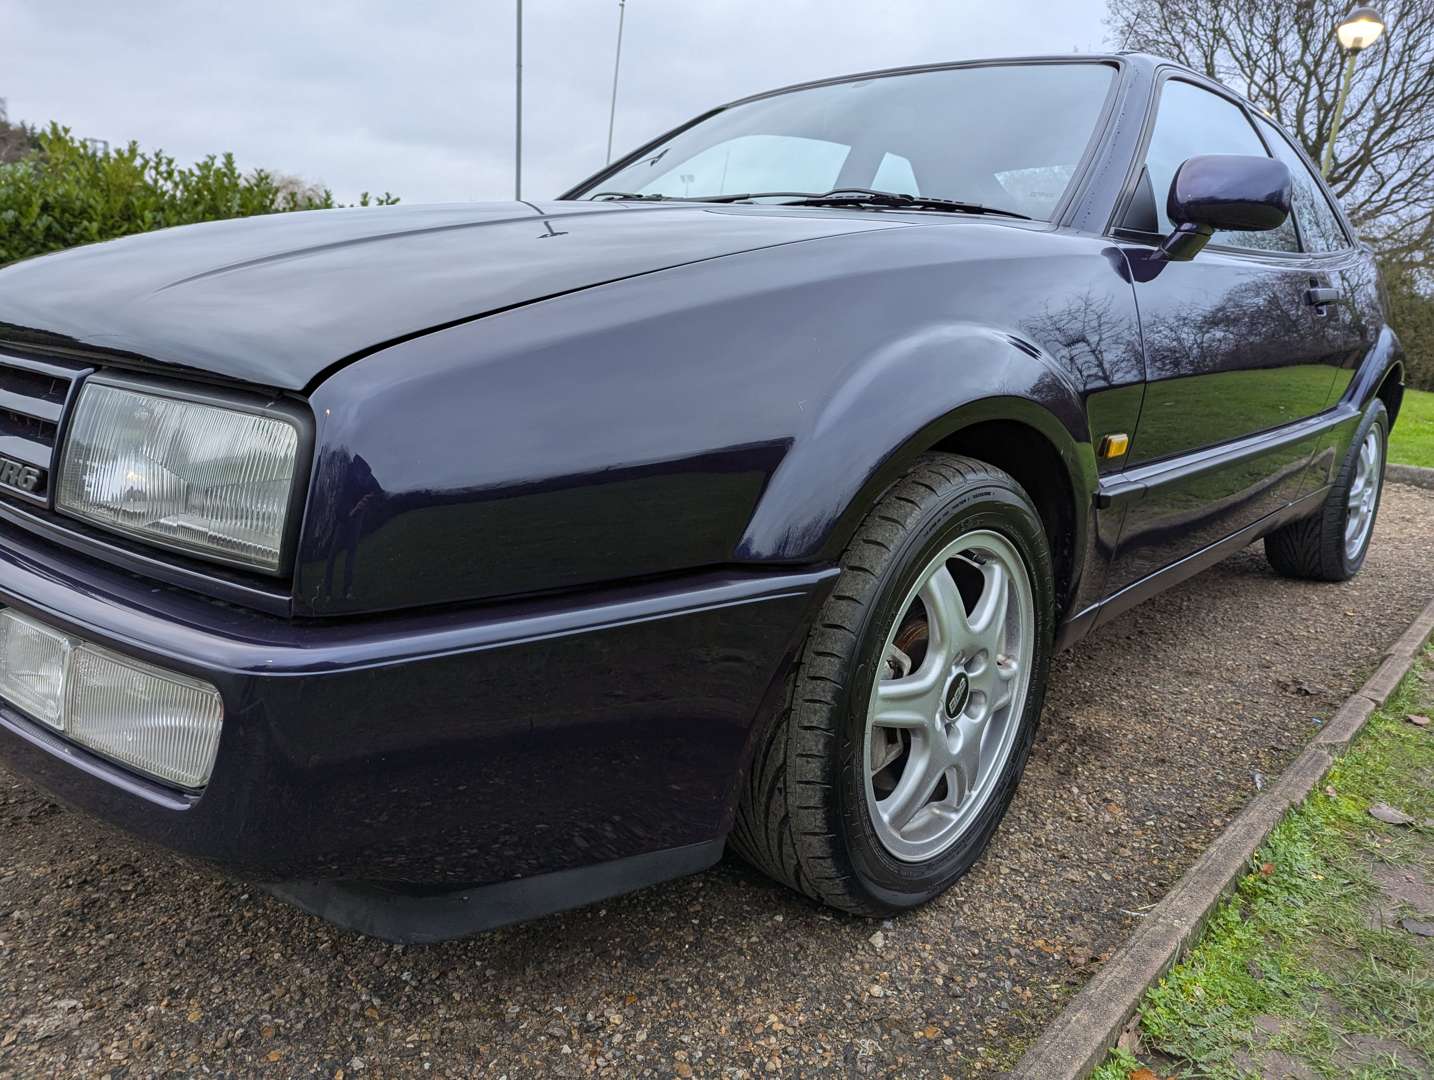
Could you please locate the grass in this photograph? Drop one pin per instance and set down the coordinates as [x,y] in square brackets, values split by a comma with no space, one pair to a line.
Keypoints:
[1412,442]
[1294,942]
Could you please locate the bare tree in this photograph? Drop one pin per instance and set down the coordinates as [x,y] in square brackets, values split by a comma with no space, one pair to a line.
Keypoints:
[16,140]
[1283,55]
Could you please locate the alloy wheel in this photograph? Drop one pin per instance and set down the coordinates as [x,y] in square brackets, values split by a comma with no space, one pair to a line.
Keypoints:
[947,703]
[1363,495]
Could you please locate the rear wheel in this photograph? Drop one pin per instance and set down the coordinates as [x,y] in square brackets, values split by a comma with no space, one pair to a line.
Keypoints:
[914,705]
[1331,545]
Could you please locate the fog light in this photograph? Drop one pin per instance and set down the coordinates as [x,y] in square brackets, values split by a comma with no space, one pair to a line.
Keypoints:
[158,722]
[33,659]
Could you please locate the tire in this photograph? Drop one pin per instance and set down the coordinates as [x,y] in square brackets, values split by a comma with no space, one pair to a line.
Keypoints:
[1320,547]
[814,808]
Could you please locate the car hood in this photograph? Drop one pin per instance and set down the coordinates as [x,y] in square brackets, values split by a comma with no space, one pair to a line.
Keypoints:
[277,300]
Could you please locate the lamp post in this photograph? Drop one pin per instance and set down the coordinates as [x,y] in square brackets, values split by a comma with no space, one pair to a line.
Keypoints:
[1359,29]
[616,67]
[518,110]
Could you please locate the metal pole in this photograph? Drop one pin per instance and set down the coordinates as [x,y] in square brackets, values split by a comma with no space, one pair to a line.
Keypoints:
[518,124]
[1338,115]
[616,65]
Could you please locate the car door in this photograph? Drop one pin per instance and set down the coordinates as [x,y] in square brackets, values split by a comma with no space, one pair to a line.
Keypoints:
[1351,319]
[1236,365]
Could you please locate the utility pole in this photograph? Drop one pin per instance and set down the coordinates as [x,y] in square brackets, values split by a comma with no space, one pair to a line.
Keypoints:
[518,120]
[616,67]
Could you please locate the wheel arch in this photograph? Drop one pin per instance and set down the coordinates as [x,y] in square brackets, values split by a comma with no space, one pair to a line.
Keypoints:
[1391,391]
[1380,375]
[1035,462]
[1038,435]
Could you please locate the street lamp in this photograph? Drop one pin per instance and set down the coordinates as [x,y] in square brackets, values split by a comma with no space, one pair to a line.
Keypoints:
[1358,30]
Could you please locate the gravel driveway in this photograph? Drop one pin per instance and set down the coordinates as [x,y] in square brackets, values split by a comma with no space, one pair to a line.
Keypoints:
[121,960]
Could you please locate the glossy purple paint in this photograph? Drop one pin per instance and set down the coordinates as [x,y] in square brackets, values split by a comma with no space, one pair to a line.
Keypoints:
[582,473]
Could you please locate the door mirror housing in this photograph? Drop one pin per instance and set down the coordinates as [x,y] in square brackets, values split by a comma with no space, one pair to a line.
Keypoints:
[1224,191]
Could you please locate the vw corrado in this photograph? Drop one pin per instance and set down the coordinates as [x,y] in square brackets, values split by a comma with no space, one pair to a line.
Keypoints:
[444,566]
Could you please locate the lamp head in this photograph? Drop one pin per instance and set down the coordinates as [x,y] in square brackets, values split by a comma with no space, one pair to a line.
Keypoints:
[1360,28]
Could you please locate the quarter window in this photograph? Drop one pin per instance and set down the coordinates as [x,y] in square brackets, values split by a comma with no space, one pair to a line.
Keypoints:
[1193,121]
[1319,225]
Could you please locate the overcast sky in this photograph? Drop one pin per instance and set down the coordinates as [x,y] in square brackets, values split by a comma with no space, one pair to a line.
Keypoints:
[417,98]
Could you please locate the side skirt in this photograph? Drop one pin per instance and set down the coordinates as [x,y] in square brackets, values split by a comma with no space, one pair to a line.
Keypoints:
[419,915]
[1080,624]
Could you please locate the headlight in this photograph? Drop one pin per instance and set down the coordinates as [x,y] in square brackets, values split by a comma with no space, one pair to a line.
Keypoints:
[187,474]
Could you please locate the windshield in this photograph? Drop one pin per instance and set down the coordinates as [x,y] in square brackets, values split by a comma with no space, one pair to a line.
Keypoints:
[1004,136]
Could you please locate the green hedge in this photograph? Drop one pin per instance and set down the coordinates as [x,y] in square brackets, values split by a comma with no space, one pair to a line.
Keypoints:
[1411,313]
[67,192]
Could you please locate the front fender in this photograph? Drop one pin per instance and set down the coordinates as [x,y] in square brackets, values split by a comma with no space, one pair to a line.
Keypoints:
[743,409]
[906,399]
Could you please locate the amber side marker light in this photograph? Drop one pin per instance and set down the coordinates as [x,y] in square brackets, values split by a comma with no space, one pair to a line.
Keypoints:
[1114,446]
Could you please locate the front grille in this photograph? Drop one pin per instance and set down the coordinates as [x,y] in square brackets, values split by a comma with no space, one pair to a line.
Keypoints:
[33,395]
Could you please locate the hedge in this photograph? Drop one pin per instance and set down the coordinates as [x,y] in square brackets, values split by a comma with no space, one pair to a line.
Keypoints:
[1411,313]
[67,192]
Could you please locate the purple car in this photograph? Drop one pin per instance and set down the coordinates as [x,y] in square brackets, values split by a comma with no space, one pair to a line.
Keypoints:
[444,566]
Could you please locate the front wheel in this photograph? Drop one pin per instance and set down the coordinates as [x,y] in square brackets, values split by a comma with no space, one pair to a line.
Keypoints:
[915,701]
[1331,545]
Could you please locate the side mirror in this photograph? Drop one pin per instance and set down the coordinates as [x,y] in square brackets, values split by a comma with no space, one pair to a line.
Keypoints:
[1224,191]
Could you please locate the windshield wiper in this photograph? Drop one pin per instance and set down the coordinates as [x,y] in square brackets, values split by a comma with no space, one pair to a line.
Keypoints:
[865,197]
[851,196]
[613,196]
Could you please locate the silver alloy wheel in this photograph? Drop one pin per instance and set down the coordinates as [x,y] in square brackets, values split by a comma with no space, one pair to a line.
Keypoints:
[1363,496]
[946,706]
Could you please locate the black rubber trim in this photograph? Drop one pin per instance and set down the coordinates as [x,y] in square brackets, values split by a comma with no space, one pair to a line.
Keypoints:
[1139,591]
[421,915]
[1138,479]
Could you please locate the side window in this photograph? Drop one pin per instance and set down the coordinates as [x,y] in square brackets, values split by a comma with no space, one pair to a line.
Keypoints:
[1192,121]
[1319,226]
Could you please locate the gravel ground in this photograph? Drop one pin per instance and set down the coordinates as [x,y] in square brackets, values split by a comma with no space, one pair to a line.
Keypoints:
[121,960]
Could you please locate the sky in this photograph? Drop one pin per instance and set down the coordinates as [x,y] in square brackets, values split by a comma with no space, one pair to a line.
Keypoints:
[418,98]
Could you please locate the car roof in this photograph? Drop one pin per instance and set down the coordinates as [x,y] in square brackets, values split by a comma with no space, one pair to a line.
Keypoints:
[1146,61]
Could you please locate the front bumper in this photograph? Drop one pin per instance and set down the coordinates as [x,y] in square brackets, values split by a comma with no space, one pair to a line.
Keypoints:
[468,747]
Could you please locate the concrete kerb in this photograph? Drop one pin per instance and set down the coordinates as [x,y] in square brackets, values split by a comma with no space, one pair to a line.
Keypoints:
[1410,474]
[1079,1038]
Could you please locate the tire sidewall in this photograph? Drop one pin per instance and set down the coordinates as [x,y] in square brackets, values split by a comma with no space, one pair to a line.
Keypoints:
[990,505]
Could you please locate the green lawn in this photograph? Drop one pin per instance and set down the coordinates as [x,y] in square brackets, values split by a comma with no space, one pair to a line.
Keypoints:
[1413,439]
[1312,967]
